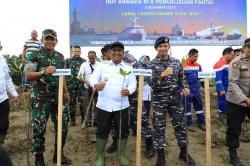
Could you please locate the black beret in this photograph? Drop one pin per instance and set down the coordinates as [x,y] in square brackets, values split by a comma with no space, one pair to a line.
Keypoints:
[161,40]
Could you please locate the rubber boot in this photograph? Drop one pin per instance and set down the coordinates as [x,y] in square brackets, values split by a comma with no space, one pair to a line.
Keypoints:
[113,147]
[149,152]
[123,160]
[222,122]
[100,149]
[186,157]
[39,161]
[161,161]
[234,160]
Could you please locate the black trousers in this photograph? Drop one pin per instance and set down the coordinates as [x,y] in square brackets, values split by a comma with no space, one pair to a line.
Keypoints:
[235,116]
[4,116]
[104,122]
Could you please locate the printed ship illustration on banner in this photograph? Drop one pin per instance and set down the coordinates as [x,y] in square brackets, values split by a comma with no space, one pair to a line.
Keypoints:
[133,32]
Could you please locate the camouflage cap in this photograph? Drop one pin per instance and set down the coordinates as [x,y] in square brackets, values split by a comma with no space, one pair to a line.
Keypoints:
[49,32]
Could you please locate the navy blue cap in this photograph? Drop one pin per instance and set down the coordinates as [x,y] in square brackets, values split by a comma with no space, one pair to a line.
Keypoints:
[161,40]
[117,44]
[105,48]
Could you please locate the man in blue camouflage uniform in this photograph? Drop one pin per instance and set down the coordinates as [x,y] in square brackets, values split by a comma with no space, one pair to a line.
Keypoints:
[146,130]
[168,84]
[74,84]
[39,69]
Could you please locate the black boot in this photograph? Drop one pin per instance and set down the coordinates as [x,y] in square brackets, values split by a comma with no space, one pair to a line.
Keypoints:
[82,117]
[161,158]
[39,160]
[64,159]
[186,157]
[72,119]
[113,147]
[134,132]
[149,152]
[234,160]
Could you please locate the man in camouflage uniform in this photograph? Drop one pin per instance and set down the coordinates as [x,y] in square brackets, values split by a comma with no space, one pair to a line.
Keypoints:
[74,84]
[39,69]
[168,84]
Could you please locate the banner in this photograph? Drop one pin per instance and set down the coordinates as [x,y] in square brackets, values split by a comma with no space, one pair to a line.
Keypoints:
[140,22]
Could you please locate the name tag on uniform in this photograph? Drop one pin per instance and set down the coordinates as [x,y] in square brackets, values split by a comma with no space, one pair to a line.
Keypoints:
[144,72]
[62,72]
[206,74]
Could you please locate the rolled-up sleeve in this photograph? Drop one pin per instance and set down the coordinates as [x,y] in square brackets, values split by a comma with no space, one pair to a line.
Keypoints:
[132,83]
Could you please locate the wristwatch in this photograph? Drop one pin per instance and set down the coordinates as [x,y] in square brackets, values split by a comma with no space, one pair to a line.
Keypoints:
[43,73]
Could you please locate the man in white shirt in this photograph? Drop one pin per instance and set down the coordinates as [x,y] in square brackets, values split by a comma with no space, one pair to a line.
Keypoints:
[86,71]
[6,87]
[113,91]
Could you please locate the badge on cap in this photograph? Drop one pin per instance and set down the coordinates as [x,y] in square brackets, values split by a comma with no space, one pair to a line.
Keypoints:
[166,40]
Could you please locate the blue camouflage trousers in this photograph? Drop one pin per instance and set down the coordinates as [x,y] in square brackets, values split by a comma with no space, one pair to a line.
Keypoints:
[163,104]
[41,110]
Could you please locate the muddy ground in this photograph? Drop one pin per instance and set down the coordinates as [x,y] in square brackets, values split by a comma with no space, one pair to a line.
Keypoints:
[83,152]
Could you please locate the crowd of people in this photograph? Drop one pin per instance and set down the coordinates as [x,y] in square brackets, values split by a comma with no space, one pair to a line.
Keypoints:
[113,87]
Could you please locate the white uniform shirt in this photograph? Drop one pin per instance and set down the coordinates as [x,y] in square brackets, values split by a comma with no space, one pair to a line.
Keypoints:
[110,98]
[6,84]
[86,71]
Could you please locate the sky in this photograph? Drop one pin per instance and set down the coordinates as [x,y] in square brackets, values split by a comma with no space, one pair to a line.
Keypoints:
[19,17]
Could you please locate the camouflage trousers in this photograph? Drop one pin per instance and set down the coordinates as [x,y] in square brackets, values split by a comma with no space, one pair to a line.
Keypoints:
[145,130]
[76,93]
[163,104]
[41,110]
